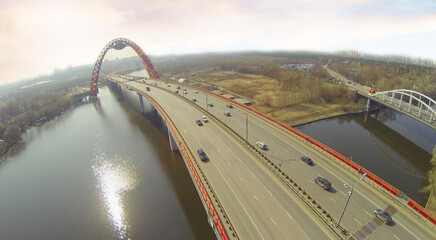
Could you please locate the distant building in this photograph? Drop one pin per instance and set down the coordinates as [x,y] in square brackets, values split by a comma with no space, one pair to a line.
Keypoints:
[182,80]
[230,96]
[243,101]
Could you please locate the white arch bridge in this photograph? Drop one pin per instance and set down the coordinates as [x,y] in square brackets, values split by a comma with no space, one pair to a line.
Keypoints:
[409,102]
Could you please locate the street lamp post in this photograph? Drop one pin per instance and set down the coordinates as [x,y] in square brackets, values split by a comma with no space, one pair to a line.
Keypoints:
[349,196]
[246,127]
[207,105]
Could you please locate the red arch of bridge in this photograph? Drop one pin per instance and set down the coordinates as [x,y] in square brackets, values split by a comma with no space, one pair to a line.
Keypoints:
[114,44]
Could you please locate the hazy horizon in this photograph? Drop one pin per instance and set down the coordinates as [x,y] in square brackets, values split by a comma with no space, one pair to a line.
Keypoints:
[43,35]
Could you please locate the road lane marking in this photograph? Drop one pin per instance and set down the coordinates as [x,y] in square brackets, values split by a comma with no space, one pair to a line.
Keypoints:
[343,193]
[239,200]
[273,221]
[358,221]
[240,178]
[252,173]
[228,163]
[292,165]
[368,213]
[270,193]
[396,221]
[396,237]
[311,181]
[255,198]
[333,200]
[286,150]
[289,215]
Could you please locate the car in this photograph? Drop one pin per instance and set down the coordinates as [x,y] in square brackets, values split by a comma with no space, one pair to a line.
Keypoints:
[202,154]
[210,104]
[194,100]
[383,215]
[324,183]
[185,92]
[177,91]
[169,85]
[199,123]
[204,119]
[196,91]
[147,88]
[229,105]
[178,87]
[307,160]
[262,145]
[227,113]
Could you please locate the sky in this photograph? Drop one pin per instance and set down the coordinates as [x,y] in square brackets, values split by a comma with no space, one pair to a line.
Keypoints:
[38,36]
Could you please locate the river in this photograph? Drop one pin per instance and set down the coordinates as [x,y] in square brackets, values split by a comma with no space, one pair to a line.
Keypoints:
[391,145]
[102,171]
[99,171]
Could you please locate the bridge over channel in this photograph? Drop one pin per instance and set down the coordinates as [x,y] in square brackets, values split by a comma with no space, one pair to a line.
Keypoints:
[250,193]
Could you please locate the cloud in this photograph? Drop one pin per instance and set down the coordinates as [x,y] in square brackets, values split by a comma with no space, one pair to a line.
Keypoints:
[38,36]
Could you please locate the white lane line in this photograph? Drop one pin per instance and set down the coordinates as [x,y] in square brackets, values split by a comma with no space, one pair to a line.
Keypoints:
[273,221]
[358,221]
[368,213]
[228,163]
[343,193]
[396,221]
[286,150]
[396,237]
[239,200]
[289,215]
[311,181]
[270,193]
[252,173]
[240,178]
[292,166]
[333,200]
[255,198]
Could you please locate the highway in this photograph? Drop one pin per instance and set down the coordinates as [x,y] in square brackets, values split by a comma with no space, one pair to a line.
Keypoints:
[257,204]
[249,190]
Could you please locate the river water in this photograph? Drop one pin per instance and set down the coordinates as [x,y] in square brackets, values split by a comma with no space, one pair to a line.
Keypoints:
[102,171]
[99,171]
[391,145]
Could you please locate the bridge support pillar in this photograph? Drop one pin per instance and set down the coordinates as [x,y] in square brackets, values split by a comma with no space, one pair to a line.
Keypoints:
[141,103]
[173,144]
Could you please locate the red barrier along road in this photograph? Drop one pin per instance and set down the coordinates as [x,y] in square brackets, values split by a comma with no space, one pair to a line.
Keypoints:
[191,165]
[385,185]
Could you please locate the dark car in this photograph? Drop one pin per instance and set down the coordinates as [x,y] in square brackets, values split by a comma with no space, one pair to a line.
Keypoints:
[199,123]
[229,105]
[307,160]
[194,100]
[202,154]
[324,183]
[384,216]
[210,104]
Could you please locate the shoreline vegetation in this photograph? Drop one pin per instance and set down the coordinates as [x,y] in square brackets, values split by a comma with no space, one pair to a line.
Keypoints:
[295,88]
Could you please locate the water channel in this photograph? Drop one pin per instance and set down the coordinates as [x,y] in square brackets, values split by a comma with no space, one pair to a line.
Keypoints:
[99,171]
[391,145]
[102,171]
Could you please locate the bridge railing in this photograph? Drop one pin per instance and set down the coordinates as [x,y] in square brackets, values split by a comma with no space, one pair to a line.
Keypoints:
[422,100]
[190,160]
[422,212]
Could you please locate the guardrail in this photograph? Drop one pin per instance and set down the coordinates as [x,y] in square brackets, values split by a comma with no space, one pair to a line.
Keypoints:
[377,181]
[310,202]
[187,154]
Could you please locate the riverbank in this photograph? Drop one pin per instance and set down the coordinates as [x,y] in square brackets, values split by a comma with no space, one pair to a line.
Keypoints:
[306,113]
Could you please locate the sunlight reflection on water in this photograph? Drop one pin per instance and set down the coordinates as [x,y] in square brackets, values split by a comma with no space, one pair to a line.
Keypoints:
[115,177]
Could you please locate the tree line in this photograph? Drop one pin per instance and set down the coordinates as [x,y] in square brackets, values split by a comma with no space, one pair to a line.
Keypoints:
[18,115]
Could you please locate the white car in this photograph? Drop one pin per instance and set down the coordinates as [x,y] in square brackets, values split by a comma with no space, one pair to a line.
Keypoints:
[262,145]
[204,119]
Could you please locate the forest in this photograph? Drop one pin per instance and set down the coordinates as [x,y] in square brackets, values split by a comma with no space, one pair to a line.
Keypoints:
[29,103]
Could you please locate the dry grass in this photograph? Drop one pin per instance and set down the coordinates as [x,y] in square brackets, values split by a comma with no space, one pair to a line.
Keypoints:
[256,87]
